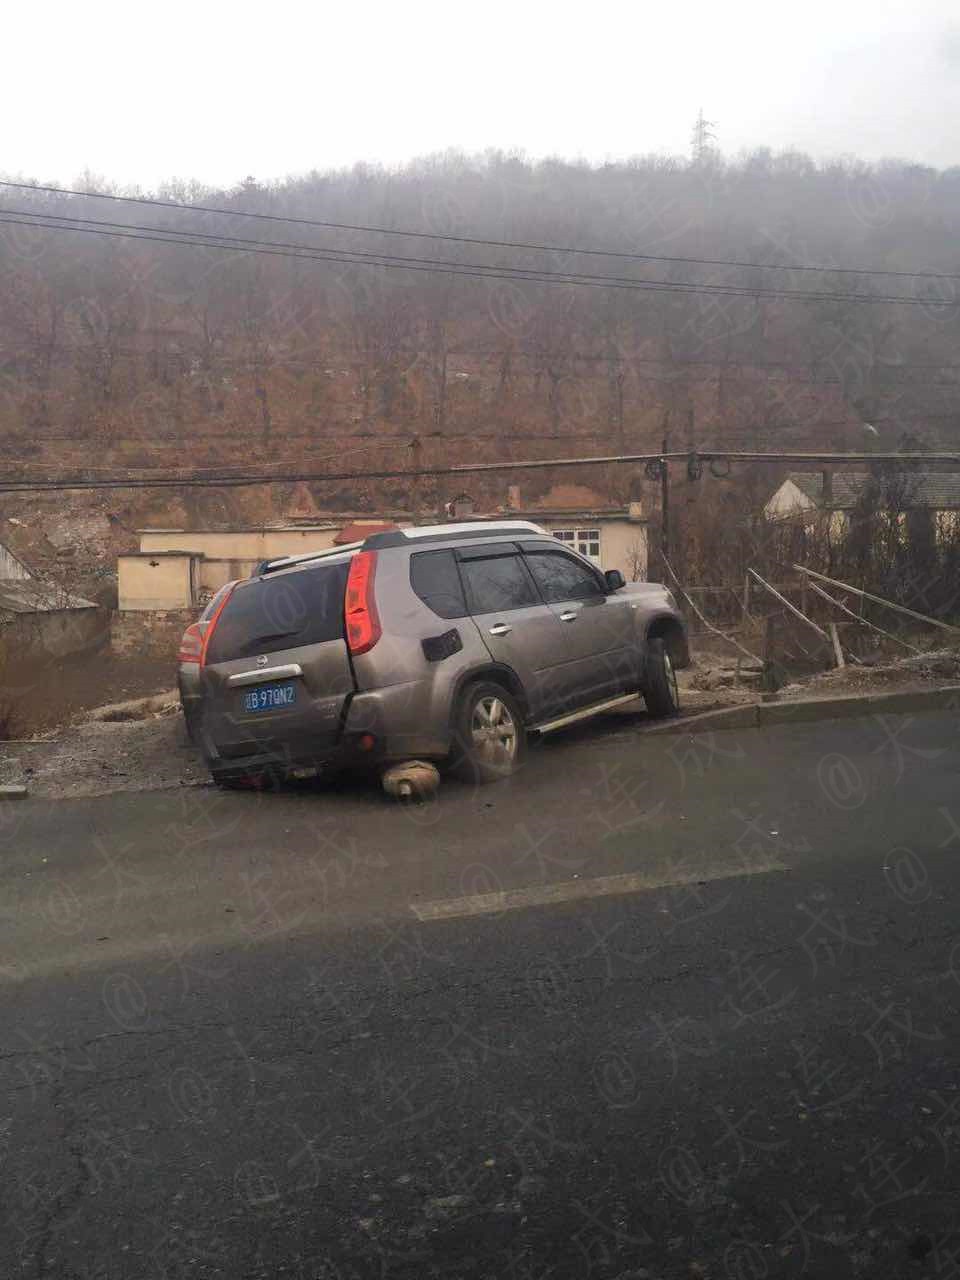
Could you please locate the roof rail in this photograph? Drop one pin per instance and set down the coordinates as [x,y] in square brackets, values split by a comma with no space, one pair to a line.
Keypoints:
[443,532]
[406,535]
[287,562]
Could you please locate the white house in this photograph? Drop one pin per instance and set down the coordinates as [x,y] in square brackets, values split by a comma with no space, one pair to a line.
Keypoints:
[804,494]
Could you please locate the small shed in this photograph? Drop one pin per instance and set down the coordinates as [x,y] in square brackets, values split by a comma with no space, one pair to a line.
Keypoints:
[154,580]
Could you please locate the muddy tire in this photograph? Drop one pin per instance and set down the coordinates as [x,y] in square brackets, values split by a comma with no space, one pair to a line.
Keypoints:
[659,686]
[489,740]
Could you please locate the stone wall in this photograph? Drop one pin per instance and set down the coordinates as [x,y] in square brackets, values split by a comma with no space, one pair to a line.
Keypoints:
[154,633]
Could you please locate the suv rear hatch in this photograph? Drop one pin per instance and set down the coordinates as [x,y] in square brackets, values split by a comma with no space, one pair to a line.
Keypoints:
[276,675]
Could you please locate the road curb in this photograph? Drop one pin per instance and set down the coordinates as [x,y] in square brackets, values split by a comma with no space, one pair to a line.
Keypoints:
[806,710]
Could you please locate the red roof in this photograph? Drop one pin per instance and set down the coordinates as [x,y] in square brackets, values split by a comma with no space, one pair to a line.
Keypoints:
[357,532]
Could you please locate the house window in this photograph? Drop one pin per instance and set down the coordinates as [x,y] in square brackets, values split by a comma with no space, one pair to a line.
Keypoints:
[586,541]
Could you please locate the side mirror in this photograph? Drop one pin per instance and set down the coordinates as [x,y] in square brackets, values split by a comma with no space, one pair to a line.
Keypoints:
[615,579]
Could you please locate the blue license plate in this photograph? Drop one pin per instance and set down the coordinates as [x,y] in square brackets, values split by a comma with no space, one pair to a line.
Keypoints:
[270,697]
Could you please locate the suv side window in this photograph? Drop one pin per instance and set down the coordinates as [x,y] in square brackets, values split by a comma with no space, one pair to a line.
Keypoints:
[560,577]
[436,580]
[498,584]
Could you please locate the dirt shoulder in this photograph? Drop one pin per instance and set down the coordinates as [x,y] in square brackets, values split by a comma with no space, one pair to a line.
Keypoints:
[916,671]
[100,756]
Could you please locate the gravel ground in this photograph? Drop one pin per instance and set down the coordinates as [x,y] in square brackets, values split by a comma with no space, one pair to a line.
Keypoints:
[100,756]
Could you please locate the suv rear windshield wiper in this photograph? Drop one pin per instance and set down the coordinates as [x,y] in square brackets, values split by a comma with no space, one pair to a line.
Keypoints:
[256,644]
[272,635]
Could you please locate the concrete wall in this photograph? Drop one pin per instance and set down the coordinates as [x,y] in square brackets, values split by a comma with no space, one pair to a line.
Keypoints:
[252,545]
[623,542]
[155,582]
[623,546]
[150,633]
[214,573]
[243,544]
[54,634]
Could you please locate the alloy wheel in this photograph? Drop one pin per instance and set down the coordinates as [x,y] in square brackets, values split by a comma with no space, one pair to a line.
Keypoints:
[493,731]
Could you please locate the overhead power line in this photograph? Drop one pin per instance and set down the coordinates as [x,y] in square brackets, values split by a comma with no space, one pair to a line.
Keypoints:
[194,480]
[441,266]
[366,229]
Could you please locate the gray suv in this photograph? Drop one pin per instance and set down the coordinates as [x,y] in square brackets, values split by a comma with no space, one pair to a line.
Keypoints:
[442,642]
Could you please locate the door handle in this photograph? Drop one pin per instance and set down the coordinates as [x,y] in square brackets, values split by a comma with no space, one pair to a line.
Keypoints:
[500,629]
[570,615]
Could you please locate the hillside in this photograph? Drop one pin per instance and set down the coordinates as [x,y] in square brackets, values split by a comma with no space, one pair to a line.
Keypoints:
[128,352]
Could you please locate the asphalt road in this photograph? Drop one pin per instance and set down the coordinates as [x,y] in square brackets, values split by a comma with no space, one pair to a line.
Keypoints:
[663,1007]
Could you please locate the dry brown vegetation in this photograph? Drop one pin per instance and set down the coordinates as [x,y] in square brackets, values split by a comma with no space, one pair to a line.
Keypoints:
[130,353]
[153,353]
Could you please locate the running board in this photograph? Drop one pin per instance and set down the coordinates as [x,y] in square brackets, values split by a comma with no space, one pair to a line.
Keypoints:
[585,714]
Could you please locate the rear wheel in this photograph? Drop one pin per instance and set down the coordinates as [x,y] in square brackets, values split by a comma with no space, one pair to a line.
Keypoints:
[660,691]
[489,737]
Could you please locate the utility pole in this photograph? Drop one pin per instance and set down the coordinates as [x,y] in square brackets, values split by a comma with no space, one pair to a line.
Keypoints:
[665,498]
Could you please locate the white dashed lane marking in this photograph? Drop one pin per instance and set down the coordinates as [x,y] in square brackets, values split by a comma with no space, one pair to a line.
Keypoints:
[482,904]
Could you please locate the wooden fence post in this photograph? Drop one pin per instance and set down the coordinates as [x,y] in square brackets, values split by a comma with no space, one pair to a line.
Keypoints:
[768,678]
[837,651]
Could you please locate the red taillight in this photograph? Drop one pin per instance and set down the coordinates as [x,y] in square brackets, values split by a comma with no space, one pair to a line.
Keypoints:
[210,626]
[191,643]
[360,606]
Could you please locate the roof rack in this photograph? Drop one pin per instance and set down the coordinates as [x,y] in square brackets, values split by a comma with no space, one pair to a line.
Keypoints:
[442,532]
[287,562]
[408,534]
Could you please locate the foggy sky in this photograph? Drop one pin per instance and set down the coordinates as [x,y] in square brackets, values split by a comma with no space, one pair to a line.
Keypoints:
[217,91]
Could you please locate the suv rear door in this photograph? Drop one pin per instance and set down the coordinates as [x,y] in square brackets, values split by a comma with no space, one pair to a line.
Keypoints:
[277,660]
[518,629]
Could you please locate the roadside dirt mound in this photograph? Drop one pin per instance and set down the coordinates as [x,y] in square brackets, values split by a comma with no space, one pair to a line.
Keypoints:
[939,666]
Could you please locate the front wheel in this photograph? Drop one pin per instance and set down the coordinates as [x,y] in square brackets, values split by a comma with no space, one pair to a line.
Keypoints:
[660,691]
[489,738]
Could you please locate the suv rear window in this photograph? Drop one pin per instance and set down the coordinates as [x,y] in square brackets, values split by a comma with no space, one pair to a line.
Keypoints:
[282,612]
[436,580]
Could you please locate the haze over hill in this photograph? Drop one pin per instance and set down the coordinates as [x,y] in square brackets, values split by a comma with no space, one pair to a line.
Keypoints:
[129,352]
